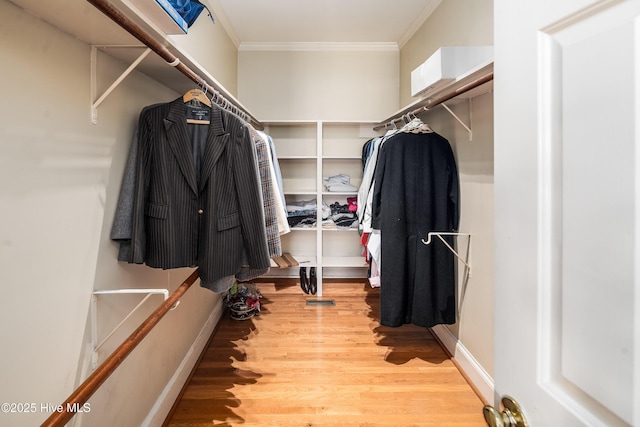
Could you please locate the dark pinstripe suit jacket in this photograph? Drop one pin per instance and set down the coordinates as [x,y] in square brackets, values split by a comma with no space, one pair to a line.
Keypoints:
[215,222]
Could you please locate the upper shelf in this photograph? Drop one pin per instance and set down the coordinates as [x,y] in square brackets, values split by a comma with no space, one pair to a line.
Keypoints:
[85,22]
[474,83]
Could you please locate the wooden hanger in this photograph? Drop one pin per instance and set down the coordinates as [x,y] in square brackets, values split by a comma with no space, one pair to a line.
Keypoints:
[201,98]
[198,95]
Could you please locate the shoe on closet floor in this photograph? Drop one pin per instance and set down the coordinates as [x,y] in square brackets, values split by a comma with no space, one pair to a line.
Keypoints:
[313,281]
[304,282]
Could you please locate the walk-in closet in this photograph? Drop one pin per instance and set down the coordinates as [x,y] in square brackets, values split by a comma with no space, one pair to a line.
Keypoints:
[327,213]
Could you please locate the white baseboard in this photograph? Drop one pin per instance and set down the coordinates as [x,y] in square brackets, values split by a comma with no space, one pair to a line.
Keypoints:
[167,398]
[481,380]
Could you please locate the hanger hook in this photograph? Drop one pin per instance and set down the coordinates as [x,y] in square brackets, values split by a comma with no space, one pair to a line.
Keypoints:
[204,85]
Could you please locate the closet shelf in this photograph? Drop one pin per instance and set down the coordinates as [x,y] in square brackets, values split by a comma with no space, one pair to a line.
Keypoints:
[344,261]
[468,86]
[339,193]
[303,261]
[332,148]
[342,157]
[297,158]
[81,19]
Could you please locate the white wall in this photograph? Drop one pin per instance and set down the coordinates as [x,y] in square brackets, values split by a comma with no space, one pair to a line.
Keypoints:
[347,84]
[59,183]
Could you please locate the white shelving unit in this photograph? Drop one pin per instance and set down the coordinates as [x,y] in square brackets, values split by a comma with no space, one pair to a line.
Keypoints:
[308,151]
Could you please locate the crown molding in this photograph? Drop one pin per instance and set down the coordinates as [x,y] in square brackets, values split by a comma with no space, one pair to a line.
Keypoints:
[318,46]
[417,23]
[221,17]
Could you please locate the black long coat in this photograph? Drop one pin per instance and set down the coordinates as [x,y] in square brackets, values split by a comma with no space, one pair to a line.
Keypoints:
[416,191]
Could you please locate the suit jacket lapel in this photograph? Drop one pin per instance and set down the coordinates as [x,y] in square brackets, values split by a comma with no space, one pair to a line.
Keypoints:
[216,143]
[176,128]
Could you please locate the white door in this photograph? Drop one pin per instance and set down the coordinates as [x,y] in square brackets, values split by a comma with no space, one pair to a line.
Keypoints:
[567,210]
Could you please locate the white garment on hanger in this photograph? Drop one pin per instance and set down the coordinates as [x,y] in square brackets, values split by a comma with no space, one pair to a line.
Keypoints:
[365,193]
[374,247]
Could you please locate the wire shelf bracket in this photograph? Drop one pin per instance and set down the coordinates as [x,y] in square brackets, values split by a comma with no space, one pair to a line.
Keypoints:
[439,234]
[95,346]
[467,267]
[95,100]
[464,125]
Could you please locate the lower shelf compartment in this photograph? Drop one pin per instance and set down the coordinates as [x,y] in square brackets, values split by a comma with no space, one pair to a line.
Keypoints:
[344,261]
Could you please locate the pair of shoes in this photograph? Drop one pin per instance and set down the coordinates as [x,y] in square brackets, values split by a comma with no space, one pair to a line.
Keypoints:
[304,282]
[313,281]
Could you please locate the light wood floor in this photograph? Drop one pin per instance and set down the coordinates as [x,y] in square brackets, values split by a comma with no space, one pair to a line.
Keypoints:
[299,365]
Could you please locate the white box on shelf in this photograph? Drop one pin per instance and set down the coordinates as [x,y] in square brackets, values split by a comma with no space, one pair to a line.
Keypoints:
[446,65]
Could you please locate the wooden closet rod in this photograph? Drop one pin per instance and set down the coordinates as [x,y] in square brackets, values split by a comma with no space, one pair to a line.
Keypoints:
[429,103]
[80,396]
[106,7]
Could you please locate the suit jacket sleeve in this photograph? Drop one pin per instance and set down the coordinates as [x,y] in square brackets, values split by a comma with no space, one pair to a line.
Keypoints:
[142,164]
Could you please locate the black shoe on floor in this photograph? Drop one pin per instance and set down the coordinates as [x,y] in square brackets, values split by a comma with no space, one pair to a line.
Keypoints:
[313,281]
[304,282]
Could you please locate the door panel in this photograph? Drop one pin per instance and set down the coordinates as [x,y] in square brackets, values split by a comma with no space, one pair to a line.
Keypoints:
[569,250]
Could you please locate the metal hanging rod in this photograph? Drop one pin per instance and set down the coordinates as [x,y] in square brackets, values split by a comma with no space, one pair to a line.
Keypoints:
[107,8]
[80,396]
[429,103]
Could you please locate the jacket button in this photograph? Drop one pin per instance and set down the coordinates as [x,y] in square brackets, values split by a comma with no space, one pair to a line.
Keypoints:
[200,211]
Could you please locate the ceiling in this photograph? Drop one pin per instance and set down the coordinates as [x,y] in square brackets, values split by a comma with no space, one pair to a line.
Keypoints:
[321,21]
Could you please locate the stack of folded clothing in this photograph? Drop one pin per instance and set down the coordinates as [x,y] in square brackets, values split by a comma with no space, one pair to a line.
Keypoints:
[303,213]
[342,216]
[340,182]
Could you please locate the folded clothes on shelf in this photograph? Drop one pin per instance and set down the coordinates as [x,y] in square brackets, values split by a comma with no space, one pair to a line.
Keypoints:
[341,216]
[340,182]
[304,213]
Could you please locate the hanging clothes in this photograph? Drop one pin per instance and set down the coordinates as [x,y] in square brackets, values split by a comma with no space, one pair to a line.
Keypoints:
[196,199]
[415,192]
[276,174]
[268,195]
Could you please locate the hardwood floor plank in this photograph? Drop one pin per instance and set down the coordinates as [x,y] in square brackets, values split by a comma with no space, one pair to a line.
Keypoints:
[300,365]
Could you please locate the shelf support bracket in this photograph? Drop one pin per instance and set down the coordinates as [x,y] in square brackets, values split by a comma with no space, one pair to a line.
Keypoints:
[94,65]
[95,346]
[465,261]
[468,128]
